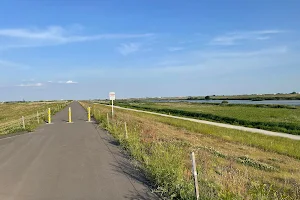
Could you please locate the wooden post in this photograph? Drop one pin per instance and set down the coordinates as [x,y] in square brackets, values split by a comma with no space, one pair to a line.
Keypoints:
[37,116]
[126,134]
[112,108]
[194,171]
[107,117]
[23,122]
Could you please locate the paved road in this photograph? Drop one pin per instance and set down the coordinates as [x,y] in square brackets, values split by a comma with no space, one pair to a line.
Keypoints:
[253,130]
[67,162]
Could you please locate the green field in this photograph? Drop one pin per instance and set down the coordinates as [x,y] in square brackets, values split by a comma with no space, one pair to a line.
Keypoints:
[291,96]
[34,113]
[275,118]
[232,164]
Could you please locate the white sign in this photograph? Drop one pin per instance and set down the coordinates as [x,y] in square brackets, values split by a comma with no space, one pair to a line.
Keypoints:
[112,96]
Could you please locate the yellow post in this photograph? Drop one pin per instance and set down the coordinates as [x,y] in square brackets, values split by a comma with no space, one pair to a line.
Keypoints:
[70,115]
[89,114]
[49,115]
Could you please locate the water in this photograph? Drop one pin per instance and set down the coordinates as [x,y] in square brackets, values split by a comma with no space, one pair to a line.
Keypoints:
[273,102]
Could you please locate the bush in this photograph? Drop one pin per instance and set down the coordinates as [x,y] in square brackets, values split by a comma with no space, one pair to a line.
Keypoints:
[225,102]
[207,98]
[257,99]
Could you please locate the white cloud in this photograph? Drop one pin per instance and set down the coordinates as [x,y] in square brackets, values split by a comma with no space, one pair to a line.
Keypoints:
[129,48]
[175,48]
[71,82]
[233,37]
[31,85]
[64,82]
[54,35]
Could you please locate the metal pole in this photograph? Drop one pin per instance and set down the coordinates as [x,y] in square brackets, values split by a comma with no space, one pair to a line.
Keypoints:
[89,114]
[194,171]
[49,116]
[70,115]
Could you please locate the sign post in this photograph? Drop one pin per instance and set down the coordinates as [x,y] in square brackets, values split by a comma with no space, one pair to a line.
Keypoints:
[112,97]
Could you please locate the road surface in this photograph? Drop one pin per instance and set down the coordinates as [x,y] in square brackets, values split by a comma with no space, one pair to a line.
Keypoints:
[63,161]
[241,128]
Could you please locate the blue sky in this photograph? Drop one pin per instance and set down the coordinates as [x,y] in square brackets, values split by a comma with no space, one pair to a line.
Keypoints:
[83,49]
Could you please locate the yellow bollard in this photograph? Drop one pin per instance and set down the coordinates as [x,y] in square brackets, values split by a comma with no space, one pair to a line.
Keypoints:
[89,114]
[49,115]
[70,115]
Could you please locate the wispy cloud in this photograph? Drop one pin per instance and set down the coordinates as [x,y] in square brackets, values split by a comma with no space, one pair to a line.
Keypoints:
[31,85]
[71,82]
[63,82]
[175,48]
[224,61]
[234,37]
[129,48]
[237,54]
[54,35]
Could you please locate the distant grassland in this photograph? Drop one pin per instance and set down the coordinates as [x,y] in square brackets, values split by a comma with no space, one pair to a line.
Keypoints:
[239,97]
[232,164]
[281,119]
[263,96]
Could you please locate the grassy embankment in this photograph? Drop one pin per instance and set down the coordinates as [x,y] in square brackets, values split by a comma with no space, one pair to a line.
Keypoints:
[234,97]
[278,118]
[11,113]
[263,168]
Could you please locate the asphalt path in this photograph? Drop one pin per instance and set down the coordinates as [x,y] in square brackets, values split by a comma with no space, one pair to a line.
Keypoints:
[68,161]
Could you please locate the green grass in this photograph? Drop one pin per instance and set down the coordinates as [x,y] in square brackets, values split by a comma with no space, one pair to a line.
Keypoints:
[11,113]
[268,143]
[280,119]
[162,147]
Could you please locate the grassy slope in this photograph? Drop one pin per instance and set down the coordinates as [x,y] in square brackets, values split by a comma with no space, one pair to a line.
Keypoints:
[241,97]
[14,111]
[275,119]
[230,167]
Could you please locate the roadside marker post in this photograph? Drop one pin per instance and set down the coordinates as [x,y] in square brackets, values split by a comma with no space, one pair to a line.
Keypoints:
[70,115]
[112,97]
[89,114]
[107,117]
[37,117]
[23,122]
[194,171]
[49,116]
[126,134]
